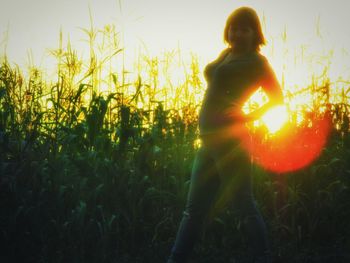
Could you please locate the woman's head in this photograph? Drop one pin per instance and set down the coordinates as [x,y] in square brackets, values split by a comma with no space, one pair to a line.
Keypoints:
[243,25]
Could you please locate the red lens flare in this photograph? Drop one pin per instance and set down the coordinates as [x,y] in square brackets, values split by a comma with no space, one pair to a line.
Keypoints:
[293,148]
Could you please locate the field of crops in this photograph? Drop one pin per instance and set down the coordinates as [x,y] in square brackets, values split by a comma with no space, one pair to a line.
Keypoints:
[96,168]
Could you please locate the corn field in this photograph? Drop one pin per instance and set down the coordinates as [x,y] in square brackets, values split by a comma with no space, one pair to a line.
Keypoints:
[95,167]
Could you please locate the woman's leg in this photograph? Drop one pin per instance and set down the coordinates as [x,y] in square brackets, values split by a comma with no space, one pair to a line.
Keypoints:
[234,166]
[253,223]
[203,189]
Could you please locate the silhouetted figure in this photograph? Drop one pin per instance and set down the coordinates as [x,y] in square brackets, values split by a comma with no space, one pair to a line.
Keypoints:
[222,169]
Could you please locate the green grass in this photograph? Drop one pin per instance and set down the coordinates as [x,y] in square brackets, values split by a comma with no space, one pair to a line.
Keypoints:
[88,177]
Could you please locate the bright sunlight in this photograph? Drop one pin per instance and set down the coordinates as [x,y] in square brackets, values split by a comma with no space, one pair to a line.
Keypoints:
[275,118]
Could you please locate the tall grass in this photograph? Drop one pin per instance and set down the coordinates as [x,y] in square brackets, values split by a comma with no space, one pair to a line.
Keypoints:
[96,168]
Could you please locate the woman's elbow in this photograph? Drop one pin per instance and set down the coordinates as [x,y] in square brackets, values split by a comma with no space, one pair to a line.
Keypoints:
[274,93]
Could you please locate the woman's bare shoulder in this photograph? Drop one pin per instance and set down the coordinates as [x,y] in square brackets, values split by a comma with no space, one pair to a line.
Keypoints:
[221,56]
[263,62]
[262,58]
[216,61]
[223,53]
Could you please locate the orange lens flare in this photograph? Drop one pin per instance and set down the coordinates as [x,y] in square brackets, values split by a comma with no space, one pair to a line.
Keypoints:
[293,148]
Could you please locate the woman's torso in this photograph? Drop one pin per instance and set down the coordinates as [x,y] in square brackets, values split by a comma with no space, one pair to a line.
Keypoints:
[230,80]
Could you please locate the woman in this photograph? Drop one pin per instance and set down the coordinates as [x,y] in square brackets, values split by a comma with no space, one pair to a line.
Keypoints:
[221,169]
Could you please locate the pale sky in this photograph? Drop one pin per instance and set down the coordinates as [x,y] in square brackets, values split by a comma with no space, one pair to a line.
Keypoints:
[194,25]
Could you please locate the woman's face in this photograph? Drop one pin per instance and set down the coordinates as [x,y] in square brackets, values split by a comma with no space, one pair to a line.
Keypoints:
[241,36]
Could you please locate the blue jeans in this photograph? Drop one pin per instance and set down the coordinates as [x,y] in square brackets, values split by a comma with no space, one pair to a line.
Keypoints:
[221,174]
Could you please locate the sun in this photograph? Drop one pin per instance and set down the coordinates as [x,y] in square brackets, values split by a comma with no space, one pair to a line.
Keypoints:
[283,145]
[275,118]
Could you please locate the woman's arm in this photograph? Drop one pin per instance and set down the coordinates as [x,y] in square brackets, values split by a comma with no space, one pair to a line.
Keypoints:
[273,89]
[271,86]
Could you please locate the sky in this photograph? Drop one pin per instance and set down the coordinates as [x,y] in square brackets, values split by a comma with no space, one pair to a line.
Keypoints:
[157,25]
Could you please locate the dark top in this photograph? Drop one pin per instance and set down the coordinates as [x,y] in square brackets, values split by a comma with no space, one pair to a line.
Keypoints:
[231,84]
